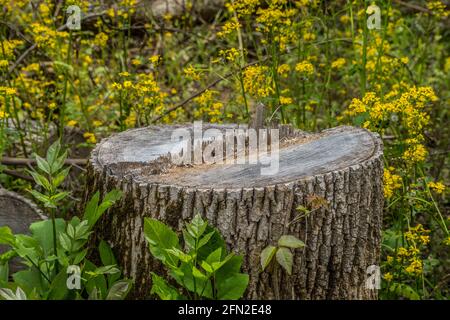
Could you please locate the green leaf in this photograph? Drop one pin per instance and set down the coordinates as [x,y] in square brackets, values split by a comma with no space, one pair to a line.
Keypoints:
[98,281]
[163,290]
[106,254]
[59,196]
[180,254]
[53,153]
[65,241]
[232,288]
[290,242]
[119,290]
[58,287]
[204,240]
[4,272]
[403,290]
[267,256]
[215,256]
[197,226]
[80,256]
[40,180]
[42,198]
[285,259]
[30,279]
[111,269]
[42,164]
[198,274]
[58,163]
[91,208]
[8,294]
[93,211]
[6,235]
[60,177]
[43,232]
[160,238]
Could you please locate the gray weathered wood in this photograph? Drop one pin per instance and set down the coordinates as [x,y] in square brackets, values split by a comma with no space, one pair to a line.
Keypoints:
[342,165]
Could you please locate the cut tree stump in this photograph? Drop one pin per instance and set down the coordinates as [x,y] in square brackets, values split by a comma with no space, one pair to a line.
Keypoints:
[342,167]
[17,213]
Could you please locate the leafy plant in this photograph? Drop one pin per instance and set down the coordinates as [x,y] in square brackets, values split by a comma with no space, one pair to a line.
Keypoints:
[282,253]
[202,269]
[57,248]
[42,279]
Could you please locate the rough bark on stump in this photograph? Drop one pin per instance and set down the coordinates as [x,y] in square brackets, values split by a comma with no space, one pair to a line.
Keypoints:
[342,165]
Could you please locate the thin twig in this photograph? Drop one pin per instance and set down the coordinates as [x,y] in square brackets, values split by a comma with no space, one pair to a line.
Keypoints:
[27,161]
[17,174]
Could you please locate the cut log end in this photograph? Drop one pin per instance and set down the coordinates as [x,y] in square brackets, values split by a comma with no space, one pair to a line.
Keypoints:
[341,166]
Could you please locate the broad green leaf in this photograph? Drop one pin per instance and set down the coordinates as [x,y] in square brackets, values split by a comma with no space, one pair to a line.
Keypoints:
[216,241]
[93,295]
[164,290]
[59,196]
[106,254]
[60,177]
[91,208]
[40,180]
[160,238]
[111,269]
[198,274]
[30,279]
[215,256]
[285,259]
[180,254]
[42,164]
[80,256]
[98,281]
[119,290]
[403,290]
[58,288]
[43,232]
[58,163]
[232,288]
[197,226]
[230,268]
[6,235]
[53,153]
[8,294]
[4,272]
[290,242]
[46,201]
[267,256]
[204,240]
[65,241]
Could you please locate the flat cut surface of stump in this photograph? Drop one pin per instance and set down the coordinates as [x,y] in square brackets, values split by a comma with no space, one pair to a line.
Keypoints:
[342,166]
[329,151]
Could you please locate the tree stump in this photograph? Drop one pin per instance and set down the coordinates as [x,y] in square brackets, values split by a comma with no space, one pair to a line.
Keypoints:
[17,213]
[342,166]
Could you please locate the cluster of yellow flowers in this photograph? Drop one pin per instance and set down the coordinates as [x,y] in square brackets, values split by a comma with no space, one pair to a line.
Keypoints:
[438,187]
[438,8]
[7,51]
[208,106]
[256,81]
[46,37]
[391,182]
[406,110]
[408,258]
[305,68]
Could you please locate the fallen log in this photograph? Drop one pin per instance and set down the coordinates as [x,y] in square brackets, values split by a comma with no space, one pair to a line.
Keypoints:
[342,167]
